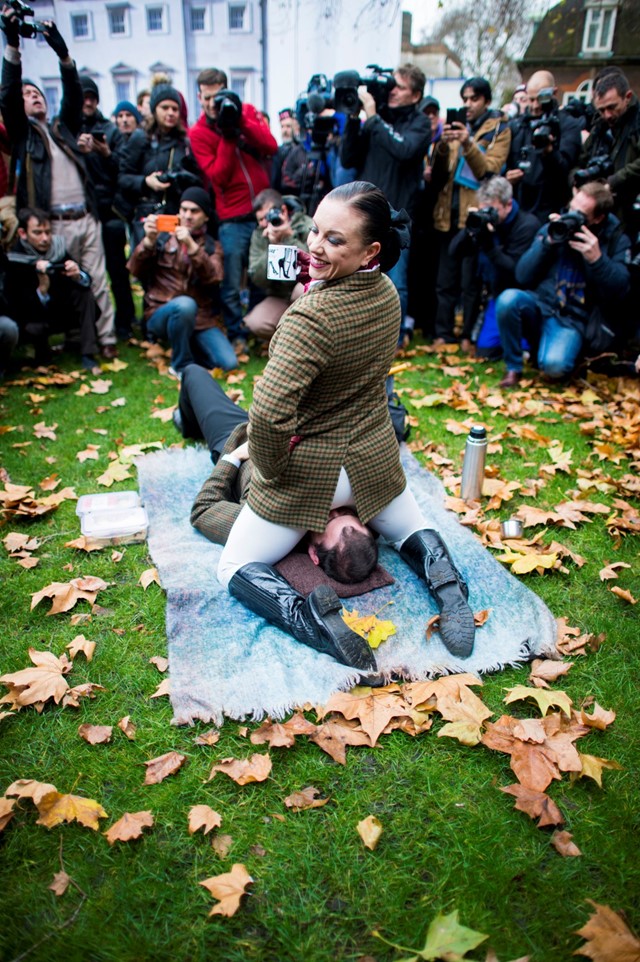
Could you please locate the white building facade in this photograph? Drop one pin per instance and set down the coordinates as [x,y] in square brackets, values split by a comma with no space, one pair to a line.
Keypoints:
[268,48]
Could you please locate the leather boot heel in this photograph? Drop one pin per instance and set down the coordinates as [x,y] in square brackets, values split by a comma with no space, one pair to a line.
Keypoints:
[325,607]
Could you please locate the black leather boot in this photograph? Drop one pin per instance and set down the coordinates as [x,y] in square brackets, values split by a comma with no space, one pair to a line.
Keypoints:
[427,554]
[315,621]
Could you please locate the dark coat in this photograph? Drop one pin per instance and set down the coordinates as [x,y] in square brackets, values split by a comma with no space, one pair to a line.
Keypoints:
[325,384]
[555,271]
[622,144]
[544,189]
[143,154]
[389,153]
[31,155]
[103,171]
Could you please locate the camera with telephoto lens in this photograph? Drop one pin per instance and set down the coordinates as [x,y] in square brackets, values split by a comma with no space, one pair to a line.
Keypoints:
[379,83]
[229,110]
[600,166]
[274,216]
[566,226]
[23,10]
[479,220]
[310,106]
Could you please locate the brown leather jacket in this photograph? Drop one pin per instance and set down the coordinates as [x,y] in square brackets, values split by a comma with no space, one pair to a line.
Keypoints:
[168,272]
[488,158]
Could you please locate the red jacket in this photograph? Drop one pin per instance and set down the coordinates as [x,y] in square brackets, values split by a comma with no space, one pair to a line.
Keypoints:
[237,175]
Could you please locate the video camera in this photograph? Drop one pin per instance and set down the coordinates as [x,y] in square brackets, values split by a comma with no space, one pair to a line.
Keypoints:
[379,84]
[309,107]
[21,11]
[566,226]
[479,220]
[600,166]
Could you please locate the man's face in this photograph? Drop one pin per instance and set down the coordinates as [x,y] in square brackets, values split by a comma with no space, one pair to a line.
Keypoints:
[536,103]
[261,214]
[286,130]
[206,95]
[191,216]
[38,235]
[434,118]
[34,103]
[611,105]
[126,122]
[475,104]
[503,210]
[339,520]
[586,205]
[521,98]
[145,105]
[402,95]
[89,105]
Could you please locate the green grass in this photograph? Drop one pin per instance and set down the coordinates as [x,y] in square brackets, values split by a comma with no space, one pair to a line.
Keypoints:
[451,839]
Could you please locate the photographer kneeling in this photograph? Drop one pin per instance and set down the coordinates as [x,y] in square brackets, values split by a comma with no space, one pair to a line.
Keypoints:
[577,266]
[496,234]
[286,226]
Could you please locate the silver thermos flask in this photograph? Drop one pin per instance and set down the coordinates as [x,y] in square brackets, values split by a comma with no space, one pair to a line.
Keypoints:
[475,454]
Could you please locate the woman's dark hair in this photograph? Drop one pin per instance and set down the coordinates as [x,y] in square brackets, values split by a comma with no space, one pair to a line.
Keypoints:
[375,210]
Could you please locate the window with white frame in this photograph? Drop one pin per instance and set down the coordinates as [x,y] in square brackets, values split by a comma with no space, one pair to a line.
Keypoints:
[123,88]
[118,21]
[238,17]
[582,92]
[599,25]
[198,19]
[157,20]
[52,95]
[81,26]
[238,84]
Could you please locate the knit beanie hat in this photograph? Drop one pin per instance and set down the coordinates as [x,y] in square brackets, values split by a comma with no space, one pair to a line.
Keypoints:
[127,105]
[89,86]
[198,196]
[31,83]
[163,92]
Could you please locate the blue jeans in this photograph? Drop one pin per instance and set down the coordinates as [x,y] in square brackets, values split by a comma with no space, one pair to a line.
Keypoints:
[235,238]
[214,350]
[518,314]
[174,322]
[399,276]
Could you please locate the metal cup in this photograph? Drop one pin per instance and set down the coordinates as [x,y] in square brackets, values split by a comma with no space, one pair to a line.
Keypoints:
[511,528]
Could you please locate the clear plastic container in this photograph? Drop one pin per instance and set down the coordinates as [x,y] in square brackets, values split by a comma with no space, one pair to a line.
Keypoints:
[109,501]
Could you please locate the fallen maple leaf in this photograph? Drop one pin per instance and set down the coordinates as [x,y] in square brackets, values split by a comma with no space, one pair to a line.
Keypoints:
[228,889]
[210,737]
[592,767]
[33,686]
[544,699]
[6,812]
[611,571]
[535,805]
[374,707]
[41,430]
[30,788]
[203,817]
[66,594]
[161,663]
[221,845]
[60,884]
[148,576]
[370,830]
[164,688]
[274,734]
[335,734]
[129,827]
[609,939]
[81,644]
[446,939]
[304,799]
[600,719]
[370,627]
[164,765]
[624,594]
[244,770]
[126,725]
[55,808]
[546,670]
[83,543]
[564,844]
[95,734]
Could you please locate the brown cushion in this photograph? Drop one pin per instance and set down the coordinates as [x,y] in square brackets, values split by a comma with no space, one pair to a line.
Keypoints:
[304,576]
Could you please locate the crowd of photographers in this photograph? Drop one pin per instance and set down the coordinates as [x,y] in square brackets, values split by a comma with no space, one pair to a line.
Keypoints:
[526,219]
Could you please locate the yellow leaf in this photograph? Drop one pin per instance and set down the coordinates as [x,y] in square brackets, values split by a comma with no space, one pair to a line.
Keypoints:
[380,632]
[370,830]
[228,889]
[145,579]
[592,767]
[55,808]
[529,562]
[544,699]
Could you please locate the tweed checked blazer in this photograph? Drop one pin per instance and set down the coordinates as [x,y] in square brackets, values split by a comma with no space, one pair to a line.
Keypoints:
[325,384]
[223,494]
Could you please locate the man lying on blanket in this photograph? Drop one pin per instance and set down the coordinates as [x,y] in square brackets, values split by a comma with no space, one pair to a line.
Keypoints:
[346,550]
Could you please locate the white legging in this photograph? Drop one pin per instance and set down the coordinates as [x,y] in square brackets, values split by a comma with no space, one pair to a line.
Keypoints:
[254,539]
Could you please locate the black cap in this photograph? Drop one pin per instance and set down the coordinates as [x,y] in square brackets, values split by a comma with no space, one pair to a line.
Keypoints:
[89,86]
[199,196]
[427,102]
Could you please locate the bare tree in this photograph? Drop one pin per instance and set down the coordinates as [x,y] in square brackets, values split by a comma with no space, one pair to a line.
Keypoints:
[488,36]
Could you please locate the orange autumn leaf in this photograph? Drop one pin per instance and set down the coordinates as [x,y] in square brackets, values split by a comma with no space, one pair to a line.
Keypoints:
[95,734]
[373,707]
[611,571]
[211,737]
[164,688]
[564,844]
[129,827]
[545,670]
[535,804]
[161,663]
[370,829]
[304,799]
[274,734]
[161,767]
[335,734]
[608,938]
[149,576]
[6,812]
[34,686]
[84,544]
[81,644]
[203,817]
[30,788]
[66,594]
[55,808]
[228,889]
[60,883]
[243,771]
[624,594]
[600,718]
[126,725]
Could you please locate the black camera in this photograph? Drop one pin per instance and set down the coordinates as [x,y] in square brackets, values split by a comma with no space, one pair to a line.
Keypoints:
[600,166]
[274,216]
[21,11]
[566,226]
[56,268]
[545,130]
[309,108]
[229,110]
[479,220]
[179,178]
[379,83]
